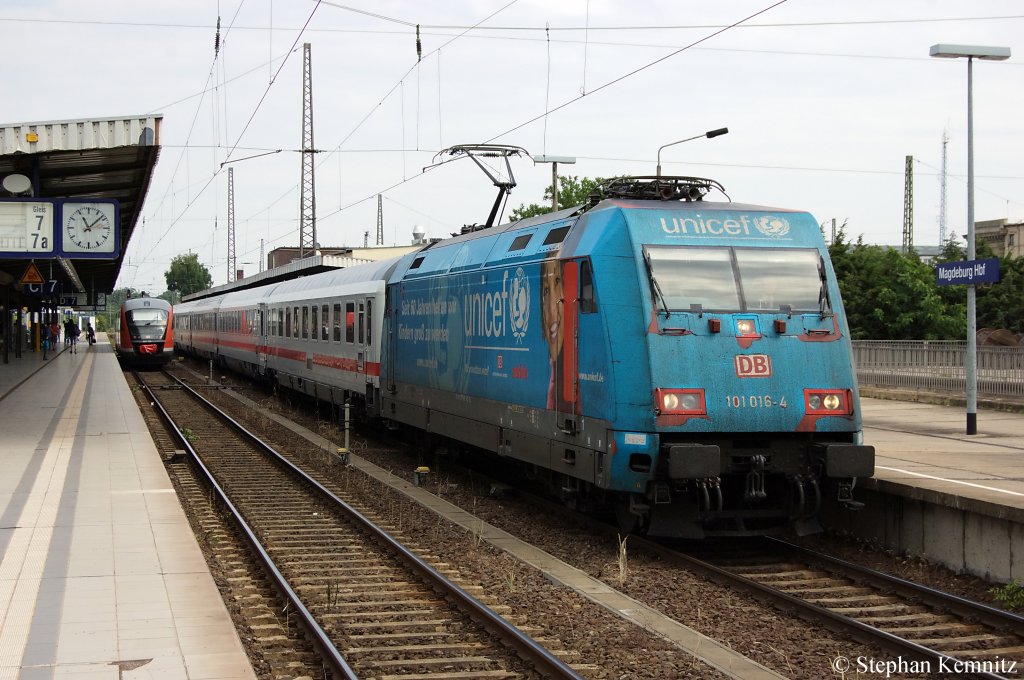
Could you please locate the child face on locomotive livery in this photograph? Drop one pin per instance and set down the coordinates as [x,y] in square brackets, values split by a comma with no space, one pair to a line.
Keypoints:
[551,305]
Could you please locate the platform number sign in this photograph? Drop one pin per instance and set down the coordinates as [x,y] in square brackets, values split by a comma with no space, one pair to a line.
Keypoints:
[26,227]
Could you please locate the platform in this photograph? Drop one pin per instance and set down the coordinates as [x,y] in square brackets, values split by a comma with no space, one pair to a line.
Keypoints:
[100,575]
[925,446]
[939,493]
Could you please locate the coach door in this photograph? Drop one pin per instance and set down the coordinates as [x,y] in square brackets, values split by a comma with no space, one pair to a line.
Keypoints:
[370,366]
[261,340]
[568,404]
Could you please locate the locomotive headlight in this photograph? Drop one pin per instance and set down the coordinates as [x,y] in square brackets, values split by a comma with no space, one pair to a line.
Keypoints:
[689,402]
[828,402]
[679,402]
[745,327]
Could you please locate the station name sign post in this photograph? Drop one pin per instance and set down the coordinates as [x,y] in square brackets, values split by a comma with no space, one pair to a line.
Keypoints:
[967,271]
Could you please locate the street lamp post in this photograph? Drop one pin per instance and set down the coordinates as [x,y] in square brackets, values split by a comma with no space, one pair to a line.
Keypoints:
[709,134]
[971,52]
[554,160]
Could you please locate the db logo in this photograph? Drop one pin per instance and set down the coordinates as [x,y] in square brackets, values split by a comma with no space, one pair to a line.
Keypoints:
[753,365]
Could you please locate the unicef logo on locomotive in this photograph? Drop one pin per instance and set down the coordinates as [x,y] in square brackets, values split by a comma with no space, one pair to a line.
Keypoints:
[519,306]
[772,225]
[485,313]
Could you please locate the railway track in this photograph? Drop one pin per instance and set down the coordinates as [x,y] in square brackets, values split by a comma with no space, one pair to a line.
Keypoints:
[913,622]
[371,607]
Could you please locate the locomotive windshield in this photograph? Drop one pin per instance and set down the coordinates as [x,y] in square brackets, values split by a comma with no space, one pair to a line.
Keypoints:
[738,279]
[146,324]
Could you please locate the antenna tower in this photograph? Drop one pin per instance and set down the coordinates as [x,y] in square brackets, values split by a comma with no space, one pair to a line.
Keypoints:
[942,191]
[908,206]
[231,225]
[307,198]
[261,256]
[380,221]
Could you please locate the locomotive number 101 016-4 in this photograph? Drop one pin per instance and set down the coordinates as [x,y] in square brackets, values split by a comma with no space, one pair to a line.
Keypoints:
[755,401]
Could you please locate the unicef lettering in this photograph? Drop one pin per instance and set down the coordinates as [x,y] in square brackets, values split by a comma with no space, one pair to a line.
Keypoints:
[490,315]
[768,225]
[698,226]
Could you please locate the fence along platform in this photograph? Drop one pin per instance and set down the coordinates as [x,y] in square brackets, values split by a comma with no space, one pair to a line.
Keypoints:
[938,366]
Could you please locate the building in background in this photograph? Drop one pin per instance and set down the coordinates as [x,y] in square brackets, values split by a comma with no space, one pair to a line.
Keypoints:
[1003,237]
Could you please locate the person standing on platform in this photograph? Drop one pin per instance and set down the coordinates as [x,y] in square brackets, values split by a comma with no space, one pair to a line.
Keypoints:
[73,332]
[44,337]
[68,326]
[54,334]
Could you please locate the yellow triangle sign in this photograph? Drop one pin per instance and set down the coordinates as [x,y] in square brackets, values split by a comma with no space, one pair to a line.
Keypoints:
[31,275]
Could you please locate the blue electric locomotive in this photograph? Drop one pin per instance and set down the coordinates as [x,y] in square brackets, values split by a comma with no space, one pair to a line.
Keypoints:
[685,362]
[688,362]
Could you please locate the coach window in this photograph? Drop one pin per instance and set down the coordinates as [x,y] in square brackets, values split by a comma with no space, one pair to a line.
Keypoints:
[337,322]
[350,322]
[325,322]
[362,324]
[369,321]
[314,323]
[588,305]
[305,322]
[295,322]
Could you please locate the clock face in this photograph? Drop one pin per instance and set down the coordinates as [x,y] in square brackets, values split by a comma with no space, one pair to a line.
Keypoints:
[89,227]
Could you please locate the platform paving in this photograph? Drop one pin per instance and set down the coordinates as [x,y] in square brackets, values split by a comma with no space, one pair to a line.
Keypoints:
[926,446]
[100,575]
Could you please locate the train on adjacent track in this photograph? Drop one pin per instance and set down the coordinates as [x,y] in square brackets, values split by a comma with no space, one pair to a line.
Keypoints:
[684,362]
[144,336]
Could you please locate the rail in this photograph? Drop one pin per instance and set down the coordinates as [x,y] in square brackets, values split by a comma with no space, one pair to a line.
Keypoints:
[938,366]
[528,649]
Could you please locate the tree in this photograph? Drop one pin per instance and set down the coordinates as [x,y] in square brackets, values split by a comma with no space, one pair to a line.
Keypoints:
[108,321]
[572,191]
[892,296]
[187,275]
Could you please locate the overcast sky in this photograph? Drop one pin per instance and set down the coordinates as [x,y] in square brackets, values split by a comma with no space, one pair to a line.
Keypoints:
[823,101]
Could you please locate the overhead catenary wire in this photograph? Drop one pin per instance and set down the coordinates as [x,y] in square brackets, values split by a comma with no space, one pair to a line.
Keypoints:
[241,134]
[547,38]
[789,24]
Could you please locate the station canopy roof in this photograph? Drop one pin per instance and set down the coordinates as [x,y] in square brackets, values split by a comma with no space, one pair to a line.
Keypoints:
[108,158]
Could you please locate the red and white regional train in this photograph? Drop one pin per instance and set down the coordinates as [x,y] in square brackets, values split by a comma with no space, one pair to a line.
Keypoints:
[145,332]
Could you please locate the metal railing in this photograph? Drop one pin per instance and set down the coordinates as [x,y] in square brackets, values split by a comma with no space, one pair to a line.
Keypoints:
[938,366]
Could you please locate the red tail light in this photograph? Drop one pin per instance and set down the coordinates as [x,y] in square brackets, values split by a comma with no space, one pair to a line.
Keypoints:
[687,402]
[828,402]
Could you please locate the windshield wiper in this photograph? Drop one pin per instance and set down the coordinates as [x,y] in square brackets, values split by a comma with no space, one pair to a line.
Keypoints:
[824,304]
[655,288]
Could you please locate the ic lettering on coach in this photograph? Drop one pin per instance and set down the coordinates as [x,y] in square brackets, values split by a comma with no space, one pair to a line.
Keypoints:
[753,366]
